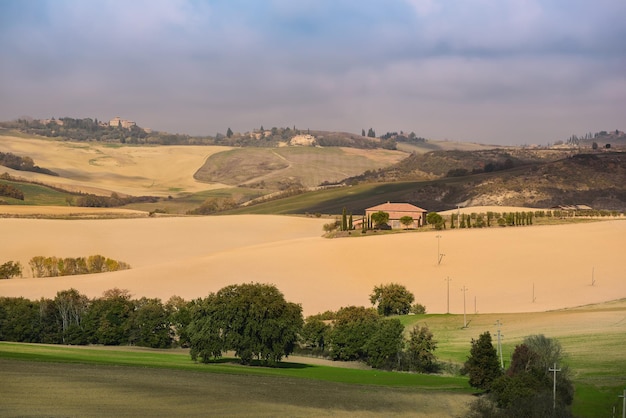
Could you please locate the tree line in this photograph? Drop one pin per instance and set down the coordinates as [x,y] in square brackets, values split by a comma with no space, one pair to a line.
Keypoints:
[72,318]
[41,266]
[16,162]
[54,266]
[114,200]
[253,320]
[256,322]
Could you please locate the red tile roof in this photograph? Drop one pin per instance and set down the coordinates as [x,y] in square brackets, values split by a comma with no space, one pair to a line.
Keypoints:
[396,207]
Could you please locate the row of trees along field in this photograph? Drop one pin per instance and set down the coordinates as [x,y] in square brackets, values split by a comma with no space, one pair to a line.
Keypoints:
[380,219]
[257,323]
[253,320]
[41,266]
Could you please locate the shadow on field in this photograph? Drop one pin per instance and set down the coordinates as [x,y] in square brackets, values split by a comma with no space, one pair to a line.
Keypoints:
[261,363]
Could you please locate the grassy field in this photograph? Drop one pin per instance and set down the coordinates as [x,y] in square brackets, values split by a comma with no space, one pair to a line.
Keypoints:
[99,381]
[592,338]
[37,195]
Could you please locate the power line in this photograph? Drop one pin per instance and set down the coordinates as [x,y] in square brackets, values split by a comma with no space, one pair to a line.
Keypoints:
[554,369]
[448,280]
[498,323]
[464,290]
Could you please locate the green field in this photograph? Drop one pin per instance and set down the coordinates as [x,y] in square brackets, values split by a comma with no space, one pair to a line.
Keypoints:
[137,379]
[592,337]
[90,381]
[36,195]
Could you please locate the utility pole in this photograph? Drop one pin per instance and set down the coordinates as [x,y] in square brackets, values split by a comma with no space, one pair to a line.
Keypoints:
[554,370]
[439,255]
[500,344]
[623,396]
[464,289]
[593,279]
[448,280]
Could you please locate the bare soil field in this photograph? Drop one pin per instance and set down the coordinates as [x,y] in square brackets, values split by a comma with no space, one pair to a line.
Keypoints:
[97,168]
[512,269]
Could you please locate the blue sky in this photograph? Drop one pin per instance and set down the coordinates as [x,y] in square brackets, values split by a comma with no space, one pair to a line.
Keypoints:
[492,71]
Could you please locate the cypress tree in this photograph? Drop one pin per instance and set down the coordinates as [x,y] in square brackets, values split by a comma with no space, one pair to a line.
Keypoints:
[344,220]
[483,365]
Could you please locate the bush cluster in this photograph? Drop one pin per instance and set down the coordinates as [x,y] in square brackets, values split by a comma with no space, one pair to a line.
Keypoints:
[95,201]
[360,334]
[11,191]
[16,162]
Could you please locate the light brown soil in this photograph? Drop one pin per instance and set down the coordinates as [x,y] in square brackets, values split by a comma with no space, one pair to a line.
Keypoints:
[96,168]
[512,269]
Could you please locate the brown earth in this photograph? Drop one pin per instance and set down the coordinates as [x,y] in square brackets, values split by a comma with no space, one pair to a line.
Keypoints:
[512,269]
[97,168]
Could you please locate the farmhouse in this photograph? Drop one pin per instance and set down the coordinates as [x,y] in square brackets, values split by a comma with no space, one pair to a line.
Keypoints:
[117,121]
[397,211]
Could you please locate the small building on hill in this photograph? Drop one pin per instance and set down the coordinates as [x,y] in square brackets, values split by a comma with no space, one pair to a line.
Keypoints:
[397,211]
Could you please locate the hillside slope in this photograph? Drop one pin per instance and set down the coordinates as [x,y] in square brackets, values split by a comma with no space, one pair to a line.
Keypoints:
[597,180]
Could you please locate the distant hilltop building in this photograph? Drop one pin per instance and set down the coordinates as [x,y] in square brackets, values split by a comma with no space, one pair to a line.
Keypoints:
[117,121]
[304,140]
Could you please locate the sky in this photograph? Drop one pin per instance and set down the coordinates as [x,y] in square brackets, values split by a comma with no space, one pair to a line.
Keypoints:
[516,72]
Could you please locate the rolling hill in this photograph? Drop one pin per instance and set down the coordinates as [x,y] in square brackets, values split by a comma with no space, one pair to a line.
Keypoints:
[298,179]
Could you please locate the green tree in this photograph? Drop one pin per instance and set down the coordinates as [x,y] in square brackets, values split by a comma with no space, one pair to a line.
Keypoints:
[180,318]
[314,334]
[229,133]
[20,320]
[418,355]
[380,218]
[150,324]
[482,365]
[10,269]
[71,307]
[526,389]
[344,220]
[352,328]
[371,133]
[254,320]
[435,219]
[108,319]
[384,346]
[392,299]
[406,221]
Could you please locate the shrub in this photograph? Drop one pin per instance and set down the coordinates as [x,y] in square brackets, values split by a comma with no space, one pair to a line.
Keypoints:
[10,269]
[418,309]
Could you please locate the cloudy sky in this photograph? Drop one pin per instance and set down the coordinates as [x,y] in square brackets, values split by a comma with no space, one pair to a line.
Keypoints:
[492,71]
